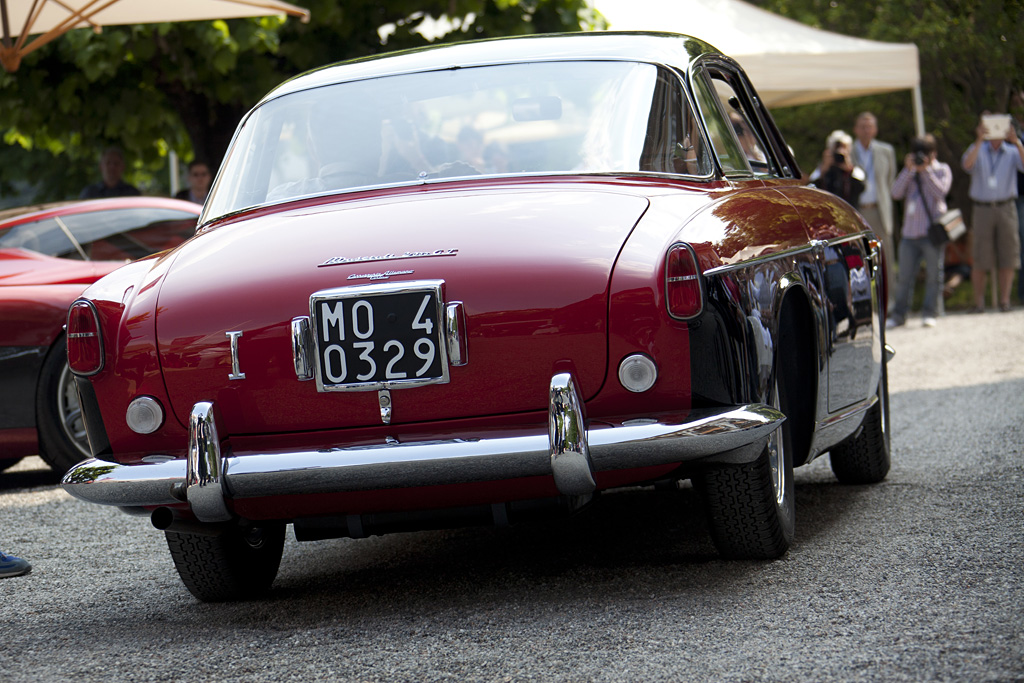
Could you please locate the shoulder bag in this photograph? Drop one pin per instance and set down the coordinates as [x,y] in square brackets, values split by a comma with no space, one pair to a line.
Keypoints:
[950,225]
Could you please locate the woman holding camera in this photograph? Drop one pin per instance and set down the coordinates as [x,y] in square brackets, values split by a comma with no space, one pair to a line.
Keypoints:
[837,174]
[923,185]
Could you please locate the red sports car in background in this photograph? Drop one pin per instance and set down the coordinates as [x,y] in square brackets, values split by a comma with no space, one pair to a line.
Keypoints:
[479,283]
[48,256]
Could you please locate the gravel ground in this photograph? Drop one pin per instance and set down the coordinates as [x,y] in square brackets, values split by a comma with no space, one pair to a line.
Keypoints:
[915,579]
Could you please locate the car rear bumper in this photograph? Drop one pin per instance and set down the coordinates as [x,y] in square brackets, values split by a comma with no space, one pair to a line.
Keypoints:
[569,451]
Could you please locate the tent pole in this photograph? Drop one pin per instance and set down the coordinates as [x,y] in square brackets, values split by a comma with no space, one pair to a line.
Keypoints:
[918,112]
[172,163]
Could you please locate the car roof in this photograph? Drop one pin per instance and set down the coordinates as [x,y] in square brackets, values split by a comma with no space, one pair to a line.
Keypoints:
[671,49]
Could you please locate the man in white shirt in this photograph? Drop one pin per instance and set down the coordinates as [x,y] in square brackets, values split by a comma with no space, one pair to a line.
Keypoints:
[878,160]
[993,164]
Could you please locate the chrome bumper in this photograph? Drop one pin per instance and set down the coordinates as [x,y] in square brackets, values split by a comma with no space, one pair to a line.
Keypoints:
[569,452]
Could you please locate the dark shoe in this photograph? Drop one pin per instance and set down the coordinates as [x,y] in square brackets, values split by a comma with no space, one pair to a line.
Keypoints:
[13,566]
[975,309]
[1004,308]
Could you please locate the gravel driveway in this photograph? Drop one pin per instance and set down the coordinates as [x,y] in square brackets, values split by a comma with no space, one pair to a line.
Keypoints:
[915,579]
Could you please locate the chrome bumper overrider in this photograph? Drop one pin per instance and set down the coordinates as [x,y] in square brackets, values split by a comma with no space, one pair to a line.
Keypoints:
[569,451]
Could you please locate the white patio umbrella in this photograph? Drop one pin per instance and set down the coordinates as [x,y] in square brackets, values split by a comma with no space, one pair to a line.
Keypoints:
[49,19]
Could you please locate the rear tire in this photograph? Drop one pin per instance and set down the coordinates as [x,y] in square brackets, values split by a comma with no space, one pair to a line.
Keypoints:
[864,458]
[750,507]
[235,565]
[62,439]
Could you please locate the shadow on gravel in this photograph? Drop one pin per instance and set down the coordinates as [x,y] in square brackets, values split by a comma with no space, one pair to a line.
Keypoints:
[631,544]
[20,478]
[650,543]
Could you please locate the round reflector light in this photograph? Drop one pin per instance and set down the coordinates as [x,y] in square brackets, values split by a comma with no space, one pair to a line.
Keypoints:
[637,373]
[144,415]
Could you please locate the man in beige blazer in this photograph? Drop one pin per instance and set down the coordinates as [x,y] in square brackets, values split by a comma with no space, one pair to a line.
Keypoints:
[878,159]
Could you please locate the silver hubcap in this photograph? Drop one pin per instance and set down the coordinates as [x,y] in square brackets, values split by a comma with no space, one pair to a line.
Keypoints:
[777,456]
[70,411]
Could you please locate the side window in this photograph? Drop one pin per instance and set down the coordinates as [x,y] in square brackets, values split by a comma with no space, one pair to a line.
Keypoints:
[735,131]
[673,143]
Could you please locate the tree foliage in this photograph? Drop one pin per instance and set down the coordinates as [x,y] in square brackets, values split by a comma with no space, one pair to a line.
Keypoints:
[151,89]
[183,87]
[971,56]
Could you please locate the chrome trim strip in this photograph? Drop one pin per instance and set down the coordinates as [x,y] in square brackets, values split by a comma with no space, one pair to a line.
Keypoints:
[567,434]
[875,257]
[302,344]
[835,428]
[847,413]
[391,464]
[455,333]
[813,245]
[757,260]
[204,470]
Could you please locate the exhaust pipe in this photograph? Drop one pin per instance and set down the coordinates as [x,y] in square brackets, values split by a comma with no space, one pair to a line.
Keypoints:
[164,519]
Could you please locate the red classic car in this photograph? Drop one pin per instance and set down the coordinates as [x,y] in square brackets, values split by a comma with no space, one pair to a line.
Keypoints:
[49,254]
[482,282]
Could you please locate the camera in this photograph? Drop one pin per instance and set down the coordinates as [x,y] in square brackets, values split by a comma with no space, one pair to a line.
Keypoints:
[922,149]
[838,158]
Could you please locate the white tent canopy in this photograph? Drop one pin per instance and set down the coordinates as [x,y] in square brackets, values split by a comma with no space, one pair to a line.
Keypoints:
[50,19]
[789,63]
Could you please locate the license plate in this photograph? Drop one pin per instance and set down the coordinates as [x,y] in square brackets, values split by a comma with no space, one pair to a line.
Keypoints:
[379,336]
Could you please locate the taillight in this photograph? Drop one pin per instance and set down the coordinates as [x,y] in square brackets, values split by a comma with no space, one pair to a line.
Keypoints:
[85,343]
[684,286]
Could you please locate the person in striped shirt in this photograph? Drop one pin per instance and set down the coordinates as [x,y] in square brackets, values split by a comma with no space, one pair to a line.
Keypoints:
[923,185]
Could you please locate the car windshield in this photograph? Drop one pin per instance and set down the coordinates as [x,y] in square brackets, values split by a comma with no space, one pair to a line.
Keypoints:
[564,117]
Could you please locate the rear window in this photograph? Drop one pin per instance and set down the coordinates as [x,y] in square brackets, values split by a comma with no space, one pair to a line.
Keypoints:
[539,118]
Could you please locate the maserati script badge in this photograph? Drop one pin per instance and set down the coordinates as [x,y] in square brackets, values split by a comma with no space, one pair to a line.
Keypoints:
[342,260]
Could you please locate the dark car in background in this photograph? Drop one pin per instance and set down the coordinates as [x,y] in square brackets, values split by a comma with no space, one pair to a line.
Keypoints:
[49,254]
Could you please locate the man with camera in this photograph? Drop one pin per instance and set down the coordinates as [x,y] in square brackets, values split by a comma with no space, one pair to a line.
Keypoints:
[993,161]
[923,184]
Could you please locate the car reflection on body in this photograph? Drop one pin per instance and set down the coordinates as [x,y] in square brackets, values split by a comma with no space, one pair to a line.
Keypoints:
[49,254]
[388,323]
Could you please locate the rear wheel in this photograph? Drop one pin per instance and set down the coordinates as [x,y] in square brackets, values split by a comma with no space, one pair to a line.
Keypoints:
[864,458]
[235,565]
[62,439]
[750,507]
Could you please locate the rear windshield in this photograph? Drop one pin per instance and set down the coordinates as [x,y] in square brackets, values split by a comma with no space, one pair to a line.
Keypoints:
[536,118]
